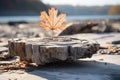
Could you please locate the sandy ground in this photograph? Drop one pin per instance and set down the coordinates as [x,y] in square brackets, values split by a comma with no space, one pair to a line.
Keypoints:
[99,67]
[102,39]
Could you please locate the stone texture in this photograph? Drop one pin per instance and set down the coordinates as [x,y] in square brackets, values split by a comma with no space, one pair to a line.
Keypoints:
[112,50]
[4,55]
[46,50]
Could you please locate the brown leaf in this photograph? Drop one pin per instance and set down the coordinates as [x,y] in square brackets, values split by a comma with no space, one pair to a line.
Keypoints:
[51,21]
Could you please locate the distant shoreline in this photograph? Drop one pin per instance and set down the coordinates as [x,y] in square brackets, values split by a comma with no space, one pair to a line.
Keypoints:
[35,18]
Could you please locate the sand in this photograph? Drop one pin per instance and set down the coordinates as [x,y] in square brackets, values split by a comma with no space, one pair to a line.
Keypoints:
[99,67]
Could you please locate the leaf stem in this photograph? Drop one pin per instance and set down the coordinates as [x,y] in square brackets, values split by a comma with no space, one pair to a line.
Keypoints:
[52,34]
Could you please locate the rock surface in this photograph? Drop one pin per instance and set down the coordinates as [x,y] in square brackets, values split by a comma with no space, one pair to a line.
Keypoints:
[41,51]
[109,43]
[113,50]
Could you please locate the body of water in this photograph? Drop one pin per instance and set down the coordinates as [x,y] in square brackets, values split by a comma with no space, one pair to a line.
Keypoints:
[36,18]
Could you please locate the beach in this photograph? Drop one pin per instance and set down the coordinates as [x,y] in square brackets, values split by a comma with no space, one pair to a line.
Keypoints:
[99,67]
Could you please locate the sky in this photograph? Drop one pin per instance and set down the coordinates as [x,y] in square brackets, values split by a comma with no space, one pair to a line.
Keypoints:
[82,2]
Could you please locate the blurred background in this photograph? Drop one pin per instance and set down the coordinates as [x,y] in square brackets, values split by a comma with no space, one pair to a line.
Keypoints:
[20,17]
[28,10]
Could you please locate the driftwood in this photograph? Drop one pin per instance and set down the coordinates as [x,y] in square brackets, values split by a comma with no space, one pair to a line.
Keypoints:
[78,28]
[41,51]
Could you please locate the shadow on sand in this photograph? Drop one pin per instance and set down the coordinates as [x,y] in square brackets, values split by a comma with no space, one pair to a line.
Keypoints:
[79,70]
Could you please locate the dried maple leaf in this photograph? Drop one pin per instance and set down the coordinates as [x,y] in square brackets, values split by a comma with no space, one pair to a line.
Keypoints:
[51,21]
